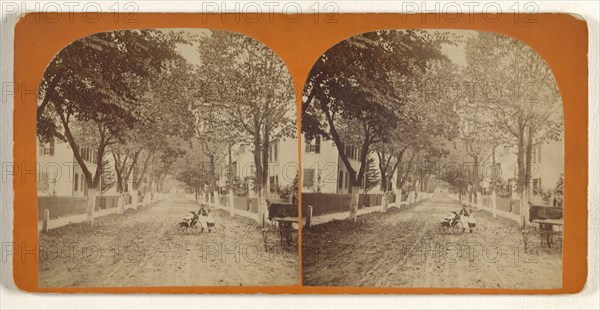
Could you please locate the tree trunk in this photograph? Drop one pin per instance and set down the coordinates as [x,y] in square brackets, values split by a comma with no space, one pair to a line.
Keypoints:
[414,188]
[493,202]
[258,163]
[216,199]
[91,204]
[134,198]
[231,206]
[261,207]
[528,159]
[262,203]
[354,203]
[122,203]
[384,201]
[384,186]
[520,161]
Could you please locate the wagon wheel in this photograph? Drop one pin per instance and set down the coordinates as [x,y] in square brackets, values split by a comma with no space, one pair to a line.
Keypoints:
[457,228]
[442,230]
[265,240]
[294,235]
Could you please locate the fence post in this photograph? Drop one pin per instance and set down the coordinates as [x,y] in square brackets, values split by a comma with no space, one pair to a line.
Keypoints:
[45,220]
[309,216]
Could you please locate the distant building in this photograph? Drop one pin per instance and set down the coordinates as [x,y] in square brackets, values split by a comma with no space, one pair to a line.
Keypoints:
[283,165]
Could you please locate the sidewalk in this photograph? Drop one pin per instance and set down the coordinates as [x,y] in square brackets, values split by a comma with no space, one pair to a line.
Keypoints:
[326,218]
[244,213]
[80,218]
[504,214]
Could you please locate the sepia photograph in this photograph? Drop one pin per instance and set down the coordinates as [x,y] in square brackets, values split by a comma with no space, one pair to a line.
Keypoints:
[167,157]
[432,159]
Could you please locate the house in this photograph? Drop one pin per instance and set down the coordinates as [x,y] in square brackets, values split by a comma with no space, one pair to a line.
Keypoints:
[283,165]
[59,174]
[547,166]
[323,170]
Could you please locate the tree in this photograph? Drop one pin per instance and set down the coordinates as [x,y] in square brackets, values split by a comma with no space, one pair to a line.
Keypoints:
[247,82]
[189,168]
[372,178]
[518,91]
[163,117]
[95,82]
[350,96]
[454,171]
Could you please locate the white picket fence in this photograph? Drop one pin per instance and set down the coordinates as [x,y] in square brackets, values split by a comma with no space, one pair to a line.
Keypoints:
[478,204]
[412,198]
[46,223]
[216,204]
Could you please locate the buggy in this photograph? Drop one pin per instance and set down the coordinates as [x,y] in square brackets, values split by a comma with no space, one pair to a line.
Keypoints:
[189,224]
[451,224]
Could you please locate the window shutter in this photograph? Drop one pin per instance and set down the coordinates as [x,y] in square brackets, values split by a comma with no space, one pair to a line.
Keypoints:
[347,180]
[309,178]
[318,145]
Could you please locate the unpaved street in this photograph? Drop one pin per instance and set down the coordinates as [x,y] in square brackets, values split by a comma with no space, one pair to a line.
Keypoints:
[145,248]
[405,249]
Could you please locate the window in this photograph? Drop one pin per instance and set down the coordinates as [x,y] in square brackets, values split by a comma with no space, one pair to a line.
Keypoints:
[76,182]
[313,146]
[273,150]
[351,152]
[341,180]
[309,178]
[47,149]
[87,154]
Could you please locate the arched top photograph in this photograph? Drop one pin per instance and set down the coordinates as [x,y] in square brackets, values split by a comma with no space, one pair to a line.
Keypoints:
[436,136]
[161,145]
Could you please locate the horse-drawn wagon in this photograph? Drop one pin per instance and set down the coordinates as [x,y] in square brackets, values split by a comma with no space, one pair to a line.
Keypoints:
[284,222]
[546,221]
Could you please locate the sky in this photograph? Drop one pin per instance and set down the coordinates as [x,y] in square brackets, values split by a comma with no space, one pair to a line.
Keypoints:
[190,52]
[456,53]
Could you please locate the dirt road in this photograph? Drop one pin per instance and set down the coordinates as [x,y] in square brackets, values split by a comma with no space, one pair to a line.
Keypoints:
[404,248]
[145,248]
